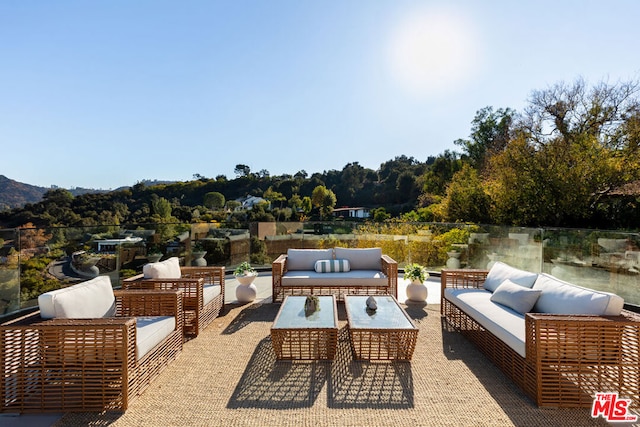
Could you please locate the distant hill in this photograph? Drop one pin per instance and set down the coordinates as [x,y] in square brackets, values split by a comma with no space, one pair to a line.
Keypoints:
[14,194]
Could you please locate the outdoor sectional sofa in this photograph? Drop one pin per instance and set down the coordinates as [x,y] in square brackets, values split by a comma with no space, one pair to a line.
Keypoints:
[88,348]
[334,271]
[560,343]
[202,289]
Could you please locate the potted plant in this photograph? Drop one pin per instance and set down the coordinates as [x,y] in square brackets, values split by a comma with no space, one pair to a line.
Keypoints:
[415,273]
[246,291]
[154,254]
[416,289]
[245,273]
[198,252]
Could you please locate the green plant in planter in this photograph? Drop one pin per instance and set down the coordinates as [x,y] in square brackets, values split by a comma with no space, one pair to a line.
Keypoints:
[415,272]
[244,269]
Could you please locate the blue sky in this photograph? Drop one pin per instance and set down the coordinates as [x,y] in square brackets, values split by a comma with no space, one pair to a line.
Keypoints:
[107,93]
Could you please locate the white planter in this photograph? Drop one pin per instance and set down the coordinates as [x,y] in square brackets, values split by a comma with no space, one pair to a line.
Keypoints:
[417,291]
[453,261]
[246,291]
[198,259]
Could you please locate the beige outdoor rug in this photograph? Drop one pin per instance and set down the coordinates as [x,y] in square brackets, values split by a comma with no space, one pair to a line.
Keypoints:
[228,376]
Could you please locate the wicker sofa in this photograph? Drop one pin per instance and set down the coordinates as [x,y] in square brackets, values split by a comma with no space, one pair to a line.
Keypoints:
[88,348]
[560,343]
[202,289]
[334,271]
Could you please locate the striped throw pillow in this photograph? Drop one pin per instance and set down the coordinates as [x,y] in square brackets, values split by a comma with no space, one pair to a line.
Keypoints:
[332,265]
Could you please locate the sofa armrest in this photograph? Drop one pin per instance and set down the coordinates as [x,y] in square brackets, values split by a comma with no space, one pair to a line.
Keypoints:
[583,339]
[461,278]
[213,275]
[278,269]
[141,302]
[390,269]
[192,289]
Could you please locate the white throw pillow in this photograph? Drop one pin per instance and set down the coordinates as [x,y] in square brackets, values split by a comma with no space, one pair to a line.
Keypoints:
[516,297]
[500,272]
[332,265]
[167,269]
[87,300]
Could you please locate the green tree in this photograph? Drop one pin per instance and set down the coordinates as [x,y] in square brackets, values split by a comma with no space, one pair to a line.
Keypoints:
[323,199]
[572,146]
[466,199]
[214,200]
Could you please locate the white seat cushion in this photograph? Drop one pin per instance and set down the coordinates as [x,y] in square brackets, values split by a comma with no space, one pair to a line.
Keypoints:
[209,292]
[506,324]
[151,331]
[500,272]
[563,297]
[167,269]
[87,300]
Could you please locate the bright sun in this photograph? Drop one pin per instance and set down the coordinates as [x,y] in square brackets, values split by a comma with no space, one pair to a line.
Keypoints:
[433,52]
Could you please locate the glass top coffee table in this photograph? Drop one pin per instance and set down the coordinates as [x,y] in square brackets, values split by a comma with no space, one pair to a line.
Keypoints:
[296,335]
[387,333]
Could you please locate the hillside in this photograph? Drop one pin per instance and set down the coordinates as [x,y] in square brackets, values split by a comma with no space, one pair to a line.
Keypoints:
[15,194]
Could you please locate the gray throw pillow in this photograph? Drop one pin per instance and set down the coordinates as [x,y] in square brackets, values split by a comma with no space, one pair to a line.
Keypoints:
[516,297]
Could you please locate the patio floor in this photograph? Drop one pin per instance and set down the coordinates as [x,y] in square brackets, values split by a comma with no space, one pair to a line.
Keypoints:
[228,376]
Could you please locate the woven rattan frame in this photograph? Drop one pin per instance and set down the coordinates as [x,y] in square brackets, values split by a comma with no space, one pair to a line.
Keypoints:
[197,315]
[84,364]
[279,267]
[569,358]
[382,344]
[306,343]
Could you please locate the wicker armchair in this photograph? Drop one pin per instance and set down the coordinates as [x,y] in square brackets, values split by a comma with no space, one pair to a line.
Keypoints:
[202,300]
[85,364]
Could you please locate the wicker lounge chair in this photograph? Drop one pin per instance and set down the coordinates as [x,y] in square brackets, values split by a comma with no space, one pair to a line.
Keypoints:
[89,364]
[203,290]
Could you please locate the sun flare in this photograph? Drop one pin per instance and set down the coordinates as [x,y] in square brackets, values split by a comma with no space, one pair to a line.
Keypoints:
[433,51]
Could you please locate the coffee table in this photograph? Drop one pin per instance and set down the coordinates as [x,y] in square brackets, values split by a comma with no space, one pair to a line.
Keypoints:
[387,333]
[295,335]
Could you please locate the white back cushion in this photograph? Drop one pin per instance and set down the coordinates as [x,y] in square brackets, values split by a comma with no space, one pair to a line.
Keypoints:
[500,272]
[361,259]
[562,297]
[167,269]
[87,300]
[305,259]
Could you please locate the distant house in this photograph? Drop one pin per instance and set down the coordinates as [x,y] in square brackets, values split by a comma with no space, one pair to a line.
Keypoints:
[351,212]
[247,203]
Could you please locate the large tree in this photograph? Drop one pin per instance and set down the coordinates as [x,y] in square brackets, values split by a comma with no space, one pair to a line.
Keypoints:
[573,145]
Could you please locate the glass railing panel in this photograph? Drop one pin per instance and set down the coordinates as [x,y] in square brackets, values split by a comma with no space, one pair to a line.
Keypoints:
[604,260]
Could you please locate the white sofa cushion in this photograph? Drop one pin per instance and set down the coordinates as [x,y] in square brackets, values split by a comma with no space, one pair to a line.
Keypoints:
[559,296]
[515,297]
[500,272]
[87,300]
[361,259]
[506,324]
[209,292]
[332,265]
[347,278]
[305,259]
[167,269]
[151,331]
